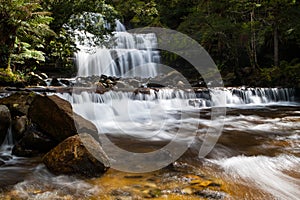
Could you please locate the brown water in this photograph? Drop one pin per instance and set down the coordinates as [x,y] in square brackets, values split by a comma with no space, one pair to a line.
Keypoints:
[256,157]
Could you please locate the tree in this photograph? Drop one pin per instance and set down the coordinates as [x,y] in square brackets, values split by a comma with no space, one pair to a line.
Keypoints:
[137,13]
[21,20]
[71,15]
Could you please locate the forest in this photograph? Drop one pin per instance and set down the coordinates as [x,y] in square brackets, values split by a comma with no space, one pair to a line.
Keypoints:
[253,43]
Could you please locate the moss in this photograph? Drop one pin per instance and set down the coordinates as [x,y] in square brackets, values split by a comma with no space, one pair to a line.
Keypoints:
[8,77]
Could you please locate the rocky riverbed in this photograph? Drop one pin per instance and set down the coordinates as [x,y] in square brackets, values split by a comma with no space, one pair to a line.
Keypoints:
[43,157]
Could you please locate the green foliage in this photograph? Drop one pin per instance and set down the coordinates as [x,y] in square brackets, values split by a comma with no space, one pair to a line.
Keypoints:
[73,20]
[23,27]
[25,52]
[137,13]
[240,35]
[7,76]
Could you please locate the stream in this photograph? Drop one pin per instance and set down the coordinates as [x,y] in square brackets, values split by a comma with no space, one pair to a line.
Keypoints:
[257,155]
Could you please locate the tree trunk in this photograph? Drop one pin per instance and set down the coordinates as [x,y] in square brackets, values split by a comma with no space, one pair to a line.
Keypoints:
[276,48]
[253,53]
[7,41]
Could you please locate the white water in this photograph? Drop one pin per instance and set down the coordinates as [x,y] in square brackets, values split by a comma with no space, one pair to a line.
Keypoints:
[156,115]
[267,173]
[6,146]
[132,55]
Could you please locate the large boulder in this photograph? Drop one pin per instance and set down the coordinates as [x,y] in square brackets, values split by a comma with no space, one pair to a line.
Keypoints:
[77,155]
[5,120]
[55,117]
[18,103]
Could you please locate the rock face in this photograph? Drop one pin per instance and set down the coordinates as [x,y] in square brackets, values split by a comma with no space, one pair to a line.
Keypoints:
[55,117]
[5,120]
[80,155]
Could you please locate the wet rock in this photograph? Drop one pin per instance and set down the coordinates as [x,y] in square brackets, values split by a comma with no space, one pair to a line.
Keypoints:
[198,84]
[142,91]
[5,157]
[19,125]
[100,88]
[2,163]
[33,143]
[155,85]
[55,117]
[66,82]
[43,75]
[5,120]
[18,150]
[55,82]
[18,103]
[35,79]
[108,81]
[80,155]
[103,78]
[122,85]
[180,84]
[134,83]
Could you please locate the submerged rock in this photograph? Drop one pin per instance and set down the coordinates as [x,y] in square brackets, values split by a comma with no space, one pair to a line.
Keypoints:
[5,120]
[80,155]
[55,117]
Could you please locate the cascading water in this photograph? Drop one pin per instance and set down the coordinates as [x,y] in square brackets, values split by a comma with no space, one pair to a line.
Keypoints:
[132,55]
[6,146]
[258,150]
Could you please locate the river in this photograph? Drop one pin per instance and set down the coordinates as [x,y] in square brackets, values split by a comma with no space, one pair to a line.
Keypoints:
[255,157]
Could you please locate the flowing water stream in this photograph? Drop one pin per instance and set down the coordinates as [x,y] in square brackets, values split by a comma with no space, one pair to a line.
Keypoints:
[257,155]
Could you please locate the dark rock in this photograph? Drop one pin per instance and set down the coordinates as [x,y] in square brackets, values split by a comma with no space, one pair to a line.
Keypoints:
[19,125]
[66,82]
[18,150]
[5,157]
[2,163]
[35,142]
[5,120]
[35,79]
[103,78]
[55,82]
[80,155]
[56,118]
[18,103]
[113,78]
[155,85]
[43,76]
[142,91]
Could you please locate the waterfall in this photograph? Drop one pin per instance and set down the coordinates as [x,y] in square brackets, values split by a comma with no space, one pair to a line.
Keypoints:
[132,55]
[157,106]
[6,146]
[234,96]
